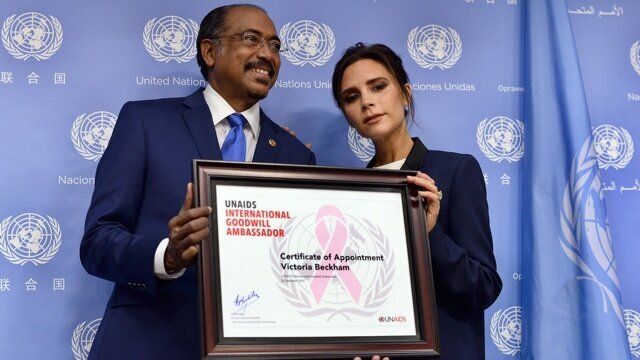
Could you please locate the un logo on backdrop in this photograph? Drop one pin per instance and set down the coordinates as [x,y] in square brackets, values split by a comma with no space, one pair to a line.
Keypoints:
[634,55]
[90,134]
[501,138]
[614,146]
[82,338]
[308,42]
[632,323]
[31,35]
[434,46]
[506,330]
[361,146]
[29,237]
[586,237]
[171,38]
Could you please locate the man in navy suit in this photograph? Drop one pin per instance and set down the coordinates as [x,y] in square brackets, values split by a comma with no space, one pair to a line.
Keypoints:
[141,230]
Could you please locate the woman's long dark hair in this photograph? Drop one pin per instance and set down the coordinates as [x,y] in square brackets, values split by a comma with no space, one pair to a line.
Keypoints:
[379,53]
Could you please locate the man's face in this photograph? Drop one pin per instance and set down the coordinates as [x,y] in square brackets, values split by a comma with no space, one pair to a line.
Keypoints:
[243,74]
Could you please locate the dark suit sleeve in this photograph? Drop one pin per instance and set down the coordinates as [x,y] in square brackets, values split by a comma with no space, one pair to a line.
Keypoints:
[110,249]
[312,158]
[464,265]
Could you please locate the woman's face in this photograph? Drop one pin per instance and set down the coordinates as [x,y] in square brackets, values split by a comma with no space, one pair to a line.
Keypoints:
[372,100]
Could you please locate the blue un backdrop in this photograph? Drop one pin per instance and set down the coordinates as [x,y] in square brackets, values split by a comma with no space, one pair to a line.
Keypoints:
[66,68]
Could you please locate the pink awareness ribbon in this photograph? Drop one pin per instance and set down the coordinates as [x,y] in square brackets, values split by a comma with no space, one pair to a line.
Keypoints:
[334,244]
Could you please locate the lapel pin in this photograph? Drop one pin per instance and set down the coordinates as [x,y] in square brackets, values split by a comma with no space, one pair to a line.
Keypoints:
[272,143]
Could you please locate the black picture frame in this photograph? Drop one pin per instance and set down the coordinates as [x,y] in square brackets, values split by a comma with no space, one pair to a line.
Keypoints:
[209,174]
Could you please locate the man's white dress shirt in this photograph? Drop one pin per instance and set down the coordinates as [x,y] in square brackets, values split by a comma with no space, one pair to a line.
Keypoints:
[220,109]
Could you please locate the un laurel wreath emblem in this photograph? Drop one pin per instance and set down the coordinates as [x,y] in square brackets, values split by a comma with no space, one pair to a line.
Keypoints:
[360,291]
[586,239]
[32,35]
[506,330]
[501,138]
[632,323]
[90,134]
[307,42]
[634,56]
[30,238]
[82,338]
[171,38]
[362,147]
[434,46]
[613,146]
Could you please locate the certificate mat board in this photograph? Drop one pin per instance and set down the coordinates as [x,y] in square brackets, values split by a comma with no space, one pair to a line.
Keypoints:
[335,263]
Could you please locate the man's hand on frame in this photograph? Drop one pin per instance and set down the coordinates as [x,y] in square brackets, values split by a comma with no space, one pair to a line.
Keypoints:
[186,231]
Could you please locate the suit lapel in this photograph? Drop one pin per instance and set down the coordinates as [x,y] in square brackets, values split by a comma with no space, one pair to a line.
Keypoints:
[269,141]
[197,116]
[416,156]
[414,159]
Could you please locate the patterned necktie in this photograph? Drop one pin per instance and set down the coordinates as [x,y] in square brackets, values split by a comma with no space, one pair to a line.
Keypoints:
[235,145]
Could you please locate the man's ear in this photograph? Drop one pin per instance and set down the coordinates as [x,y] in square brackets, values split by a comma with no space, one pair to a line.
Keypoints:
[208,51]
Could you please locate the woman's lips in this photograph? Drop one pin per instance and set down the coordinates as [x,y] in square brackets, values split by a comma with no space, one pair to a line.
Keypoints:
[372,118]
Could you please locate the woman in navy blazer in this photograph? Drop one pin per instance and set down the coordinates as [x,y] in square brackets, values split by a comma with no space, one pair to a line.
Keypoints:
[372,89]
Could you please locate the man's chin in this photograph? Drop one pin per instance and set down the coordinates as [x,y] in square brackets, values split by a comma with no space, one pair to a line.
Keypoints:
[258,94]
[259,90]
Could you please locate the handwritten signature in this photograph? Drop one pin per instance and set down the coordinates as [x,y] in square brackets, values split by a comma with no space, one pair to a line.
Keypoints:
[241,302]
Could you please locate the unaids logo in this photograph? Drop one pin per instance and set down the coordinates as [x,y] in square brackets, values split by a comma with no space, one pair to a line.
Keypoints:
[90,134]
[506,330]
[613,145]
[171,38]
[30,238]
[82,338]
[632,323]
[358,291]
[501,139]
[361,146]
[31,35]
[634,56]
[434,46]
[307,42]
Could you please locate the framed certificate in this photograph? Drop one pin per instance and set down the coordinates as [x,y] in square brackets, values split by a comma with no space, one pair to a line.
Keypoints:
[313,262]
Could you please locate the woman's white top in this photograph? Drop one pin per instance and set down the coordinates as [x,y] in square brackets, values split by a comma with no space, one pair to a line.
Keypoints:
[396,165]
